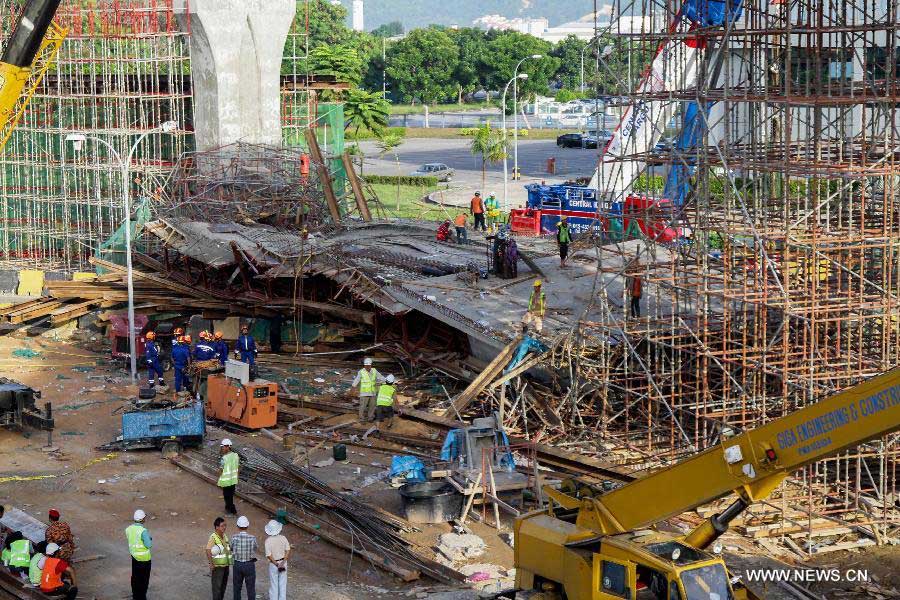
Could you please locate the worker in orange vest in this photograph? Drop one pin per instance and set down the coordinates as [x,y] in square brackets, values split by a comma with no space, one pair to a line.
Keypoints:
[57,576]
[476,207]
[460,223]
[635,290]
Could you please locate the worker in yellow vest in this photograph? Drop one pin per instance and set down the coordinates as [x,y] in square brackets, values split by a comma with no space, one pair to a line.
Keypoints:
[218,552]
[384,404]
[34,569]
[230,463]
[536,307]
[139,544]
[366,379]
[19,555]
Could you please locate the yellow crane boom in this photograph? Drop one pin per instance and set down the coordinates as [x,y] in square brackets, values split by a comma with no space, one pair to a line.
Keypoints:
[30,51]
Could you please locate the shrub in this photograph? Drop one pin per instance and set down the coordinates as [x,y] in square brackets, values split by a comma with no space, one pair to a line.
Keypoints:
[428,182]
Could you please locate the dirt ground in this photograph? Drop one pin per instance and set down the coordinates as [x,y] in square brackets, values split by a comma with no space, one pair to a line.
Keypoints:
[97,492]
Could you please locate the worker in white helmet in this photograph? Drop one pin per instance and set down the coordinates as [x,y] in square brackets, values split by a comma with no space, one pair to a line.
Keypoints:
[367,379]
[139,544]
[230,463]
[244,547]
[384,409]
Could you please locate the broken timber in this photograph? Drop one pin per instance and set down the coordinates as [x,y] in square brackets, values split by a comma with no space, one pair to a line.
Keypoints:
[356,186]
[484,378]
[324,175]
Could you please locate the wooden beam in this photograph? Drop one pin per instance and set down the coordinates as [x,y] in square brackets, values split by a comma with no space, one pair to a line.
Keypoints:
[484,378]
[324,175]
[356,186]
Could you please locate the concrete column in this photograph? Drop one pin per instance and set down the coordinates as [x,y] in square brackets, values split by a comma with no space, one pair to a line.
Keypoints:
[236,50]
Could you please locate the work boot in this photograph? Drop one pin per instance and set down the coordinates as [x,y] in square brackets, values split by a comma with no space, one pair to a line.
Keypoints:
[161,382]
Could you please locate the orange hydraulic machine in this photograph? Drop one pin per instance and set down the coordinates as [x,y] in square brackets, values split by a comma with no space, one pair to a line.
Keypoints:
[233,398]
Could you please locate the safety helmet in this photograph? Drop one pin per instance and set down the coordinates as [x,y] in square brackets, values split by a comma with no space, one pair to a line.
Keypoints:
[178,331]
[563,219]
[52,549]
[225,442]
[537,283]
[180,339]
[243,522]
[219,335]
[367,362]
[139,515]
[477,193]
[151,335]
[187,339]
[389,379]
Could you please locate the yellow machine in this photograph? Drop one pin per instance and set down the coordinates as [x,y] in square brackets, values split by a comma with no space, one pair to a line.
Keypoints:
[599,547]
[29,52]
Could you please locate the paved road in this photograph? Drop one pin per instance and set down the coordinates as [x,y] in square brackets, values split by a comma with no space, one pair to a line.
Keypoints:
[533,155]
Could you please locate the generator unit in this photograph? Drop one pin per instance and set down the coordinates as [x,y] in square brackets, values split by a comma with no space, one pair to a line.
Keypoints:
[252,404]
[18,407]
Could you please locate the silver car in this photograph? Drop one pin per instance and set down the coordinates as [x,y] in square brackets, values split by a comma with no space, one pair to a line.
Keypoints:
[439,170]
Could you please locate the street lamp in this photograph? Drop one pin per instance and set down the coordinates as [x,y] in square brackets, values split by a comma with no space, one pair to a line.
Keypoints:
[505,159]
[78,140]
[516,111]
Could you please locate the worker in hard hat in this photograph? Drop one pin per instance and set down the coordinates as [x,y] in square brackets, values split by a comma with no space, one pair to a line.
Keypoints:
[246,346]
[278,550]
[366,379]
[221,347]
[154,366]
[204,350]
[230,463]
[244,547]
[34,569]
[176,333]
[384,404]
[218,552]
[492,210]
[563,239]
[57,575]
[536,307]
[18,553]
[181,358]
[139,545]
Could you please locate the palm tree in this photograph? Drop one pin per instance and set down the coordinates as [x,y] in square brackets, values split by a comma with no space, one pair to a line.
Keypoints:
[367,110]
[490,144]
[389,142]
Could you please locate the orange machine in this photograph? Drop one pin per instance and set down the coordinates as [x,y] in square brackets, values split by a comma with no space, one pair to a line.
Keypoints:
[252,405]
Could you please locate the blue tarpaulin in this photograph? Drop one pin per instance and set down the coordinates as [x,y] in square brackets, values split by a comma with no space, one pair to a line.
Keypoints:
[409,467]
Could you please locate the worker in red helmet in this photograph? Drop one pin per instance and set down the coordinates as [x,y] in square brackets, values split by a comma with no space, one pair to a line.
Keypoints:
[221,347]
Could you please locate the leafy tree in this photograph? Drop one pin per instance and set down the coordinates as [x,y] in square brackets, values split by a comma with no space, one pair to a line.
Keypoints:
[340,61]
[392,29]
[421,66]
[507,49]
[565,95]
[471,71]
[568,53]
[490,144]
[366,109]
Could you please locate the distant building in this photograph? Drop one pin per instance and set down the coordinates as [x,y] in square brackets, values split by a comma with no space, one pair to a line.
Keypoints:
[533,27]
[359,23]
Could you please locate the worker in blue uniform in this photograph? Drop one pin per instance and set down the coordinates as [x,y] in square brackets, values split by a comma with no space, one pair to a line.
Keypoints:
[246,346]
[151,354]
[221,347]
[204,349]
[181,358]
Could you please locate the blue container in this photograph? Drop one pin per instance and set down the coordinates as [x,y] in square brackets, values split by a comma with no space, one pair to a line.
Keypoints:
[187,424]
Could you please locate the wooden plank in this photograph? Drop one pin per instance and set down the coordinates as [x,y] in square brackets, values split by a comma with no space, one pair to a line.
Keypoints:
[256,496]
[164,283]
[481,381]
[353,315]
[356,186]
[71,311]
[324,176]
[36,312]
[518,370]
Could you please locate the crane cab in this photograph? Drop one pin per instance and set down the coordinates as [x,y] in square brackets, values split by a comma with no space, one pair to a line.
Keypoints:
[553,554]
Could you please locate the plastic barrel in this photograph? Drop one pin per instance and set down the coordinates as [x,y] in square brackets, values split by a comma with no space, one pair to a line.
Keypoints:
[339,452]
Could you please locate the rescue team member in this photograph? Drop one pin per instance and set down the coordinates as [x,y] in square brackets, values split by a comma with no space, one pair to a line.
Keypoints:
[278,550]
[492,209]
[563,239]
[60,533]
[34,571]
[536,306]
[218,552]
[57,576]
[204,350]
[384,404]
[221,347]
[366,379]
[139,544]
[443,231]
[230,463]
[181,358]
[176,333]
[476,207]
[246,346]
[19,557]
[151,353]
[460,223]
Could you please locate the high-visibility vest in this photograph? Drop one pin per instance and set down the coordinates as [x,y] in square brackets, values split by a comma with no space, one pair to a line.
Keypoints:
[223,558]
[367,381]
[564,237]
[50,579]
[385,395]
[20,553]
[34,571]
[136,546]
[540,305]
[229,474]
[4,556]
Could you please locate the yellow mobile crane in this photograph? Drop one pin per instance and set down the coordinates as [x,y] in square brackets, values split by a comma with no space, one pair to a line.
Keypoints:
[599,547]
[29,52]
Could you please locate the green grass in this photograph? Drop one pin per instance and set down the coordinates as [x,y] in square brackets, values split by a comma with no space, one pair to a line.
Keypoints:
[412,203]
[454,132]
[419,109]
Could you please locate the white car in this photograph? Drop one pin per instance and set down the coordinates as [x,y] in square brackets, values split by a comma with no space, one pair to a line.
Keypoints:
[439,170]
